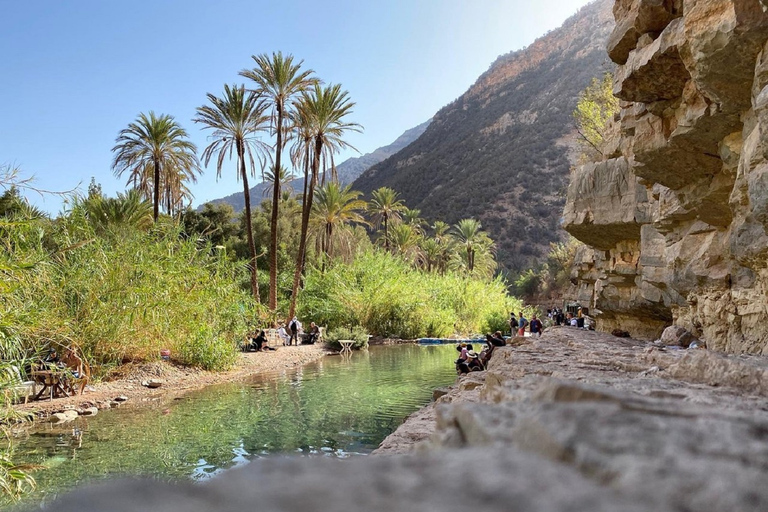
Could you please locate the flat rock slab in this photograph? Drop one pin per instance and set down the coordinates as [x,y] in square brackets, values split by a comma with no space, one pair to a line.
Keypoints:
[484,479]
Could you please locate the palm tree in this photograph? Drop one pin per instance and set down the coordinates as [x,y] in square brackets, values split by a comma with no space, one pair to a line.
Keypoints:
[405,243]
[109,214]
[321,114]
[335,208]
[237,119]
[279,80]
[441,230]
[467,232]
[412,217]
[385,208]
[284,179]
[155,146]
[435,254]
[475,242]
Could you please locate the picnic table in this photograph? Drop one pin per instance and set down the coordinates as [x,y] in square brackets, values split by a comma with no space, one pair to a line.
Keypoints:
[53,380]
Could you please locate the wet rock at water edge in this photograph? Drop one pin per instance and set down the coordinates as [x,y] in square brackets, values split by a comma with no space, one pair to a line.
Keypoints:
[63,417]
[120,399]
[438,392]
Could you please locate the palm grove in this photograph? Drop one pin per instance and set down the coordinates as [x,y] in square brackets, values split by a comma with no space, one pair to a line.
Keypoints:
[123,277]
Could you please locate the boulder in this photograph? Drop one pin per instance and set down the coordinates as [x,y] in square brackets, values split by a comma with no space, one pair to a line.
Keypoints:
[676,336]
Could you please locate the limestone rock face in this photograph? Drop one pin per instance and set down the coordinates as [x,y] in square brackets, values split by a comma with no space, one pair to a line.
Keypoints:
[677,212]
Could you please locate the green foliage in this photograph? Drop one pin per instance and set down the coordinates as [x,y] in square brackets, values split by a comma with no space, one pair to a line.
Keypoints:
[527,283]
[388,297]
[121,299]
[496,321]
[355,333]
[596,107]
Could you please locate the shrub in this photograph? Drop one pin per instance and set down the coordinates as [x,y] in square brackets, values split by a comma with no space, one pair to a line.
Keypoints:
[356,333]
[387,297]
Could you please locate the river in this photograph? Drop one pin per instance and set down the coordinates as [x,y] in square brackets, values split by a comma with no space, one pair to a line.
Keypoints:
[335,407]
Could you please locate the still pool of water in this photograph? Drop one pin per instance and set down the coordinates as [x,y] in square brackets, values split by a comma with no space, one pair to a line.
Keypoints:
[336,407]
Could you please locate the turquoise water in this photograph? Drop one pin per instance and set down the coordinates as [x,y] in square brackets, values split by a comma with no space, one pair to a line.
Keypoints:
[336,407]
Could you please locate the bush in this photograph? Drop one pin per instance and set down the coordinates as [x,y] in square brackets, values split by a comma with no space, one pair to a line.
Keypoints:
[124,298]
[496,322]
[387,297]
[356,333]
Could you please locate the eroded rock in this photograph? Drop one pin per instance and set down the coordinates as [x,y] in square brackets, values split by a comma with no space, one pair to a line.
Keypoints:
[678,222]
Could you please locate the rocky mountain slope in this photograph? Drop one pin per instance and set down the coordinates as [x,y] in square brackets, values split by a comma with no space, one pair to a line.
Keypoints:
[347,171]
[500,152]
[676,215]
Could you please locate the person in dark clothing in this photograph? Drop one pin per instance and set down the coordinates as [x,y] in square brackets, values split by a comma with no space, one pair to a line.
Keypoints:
[495,339]
[512,324]
[536,326]
[259,343]
[313,334]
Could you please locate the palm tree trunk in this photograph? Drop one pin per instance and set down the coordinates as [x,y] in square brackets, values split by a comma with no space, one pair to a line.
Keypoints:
[386,232]
[156,192]
[300,258]
[275,211]
[248,224]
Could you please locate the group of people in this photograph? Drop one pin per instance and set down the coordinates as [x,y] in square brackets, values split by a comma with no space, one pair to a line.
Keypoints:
[291,332]
[518,324]
[471,361]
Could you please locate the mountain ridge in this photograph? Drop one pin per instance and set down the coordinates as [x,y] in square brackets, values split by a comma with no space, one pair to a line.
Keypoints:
[347,171]
[502,151]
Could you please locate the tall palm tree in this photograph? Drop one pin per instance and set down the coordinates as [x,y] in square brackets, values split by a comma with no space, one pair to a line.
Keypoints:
[237,119]
[155,146]
[385,208]
[322,113]
[335,208]
[279,80]
[474,241]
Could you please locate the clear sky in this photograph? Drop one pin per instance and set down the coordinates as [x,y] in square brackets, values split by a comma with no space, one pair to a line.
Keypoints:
[74,73]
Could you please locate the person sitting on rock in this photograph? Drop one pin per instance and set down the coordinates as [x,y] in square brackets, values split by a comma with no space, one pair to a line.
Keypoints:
[497,339]
[461,363]
[474,364]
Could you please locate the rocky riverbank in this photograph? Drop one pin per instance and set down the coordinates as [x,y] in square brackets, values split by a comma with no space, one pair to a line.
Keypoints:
[131,385]
[571,421]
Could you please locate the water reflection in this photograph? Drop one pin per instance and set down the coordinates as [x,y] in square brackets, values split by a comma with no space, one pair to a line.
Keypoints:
[338,407]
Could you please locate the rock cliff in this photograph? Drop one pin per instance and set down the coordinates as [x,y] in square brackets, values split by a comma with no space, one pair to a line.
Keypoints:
[676,215]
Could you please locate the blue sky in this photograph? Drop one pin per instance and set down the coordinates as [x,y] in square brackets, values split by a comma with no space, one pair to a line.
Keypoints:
[74,73]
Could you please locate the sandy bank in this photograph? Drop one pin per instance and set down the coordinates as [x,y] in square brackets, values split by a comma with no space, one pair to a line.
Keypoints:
[174,379]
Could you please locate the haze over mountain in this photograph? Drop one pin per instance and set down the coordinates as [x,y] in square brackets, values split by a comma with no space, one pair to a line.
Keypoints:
[501,152]
[347,171]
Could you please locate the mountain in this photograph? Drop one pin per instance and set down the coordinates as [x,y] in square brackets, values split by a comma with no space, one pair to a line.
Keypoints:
[347,171]
[502,151]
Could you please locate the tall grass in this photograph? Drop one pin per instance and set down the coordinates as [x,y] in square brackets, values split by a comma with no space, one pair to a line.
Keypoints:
[388,297]
[123,298]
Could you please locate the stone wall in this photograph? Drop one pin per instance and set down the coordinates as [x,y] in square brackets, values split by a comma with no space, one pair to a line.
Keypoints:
[676,214]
